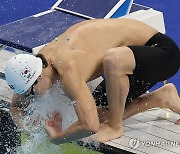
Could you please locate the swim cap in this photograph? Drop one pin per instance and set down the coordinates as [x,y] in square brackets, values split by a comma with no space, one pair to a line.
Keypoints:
[22,71]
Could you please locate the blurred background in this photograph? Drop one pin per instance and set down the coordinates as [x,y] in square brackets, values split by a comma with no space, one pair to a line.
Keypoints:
[12,10]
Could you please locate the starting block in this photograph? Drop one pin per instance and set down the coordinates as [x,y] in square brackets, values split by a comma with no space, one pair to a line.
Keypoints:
[31,34]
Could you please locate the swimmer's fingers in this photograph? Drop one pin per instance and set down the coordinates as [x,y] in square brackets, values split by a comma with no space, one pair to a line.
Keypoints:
[55,116]
[47,129]
[50,130]
[51,115]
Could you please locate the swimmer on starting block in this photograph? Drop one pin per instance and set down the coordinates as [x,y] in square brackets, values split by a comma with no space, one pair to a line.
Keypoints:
[130,54]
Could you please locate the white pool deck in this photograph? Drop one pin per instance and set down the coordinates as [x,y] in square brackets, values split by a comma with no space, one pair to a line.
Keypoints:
[153,131]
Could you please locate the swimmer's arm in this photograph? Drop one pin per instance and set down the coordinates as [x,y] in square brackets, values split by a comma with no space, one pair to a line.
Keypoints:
[17,105]
[88,121]
[62,137]
[75,132]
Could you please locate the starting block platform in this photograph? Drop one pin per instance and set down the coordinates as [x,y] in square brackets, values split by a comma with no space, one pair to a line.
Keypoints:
[32,33]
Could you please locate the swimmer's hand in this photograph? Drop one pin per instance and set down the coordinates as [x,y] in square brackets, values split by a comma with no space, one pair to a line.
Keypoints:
[53,125]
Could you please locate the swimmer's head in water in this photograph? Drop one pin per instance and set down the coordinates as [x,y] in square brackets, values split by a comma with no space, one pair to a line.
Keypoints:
[22,71]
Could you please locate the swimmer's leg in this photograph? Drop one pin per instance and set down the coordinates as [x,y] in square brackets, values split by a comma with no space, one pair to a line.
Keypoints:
[164,97]
[118,64]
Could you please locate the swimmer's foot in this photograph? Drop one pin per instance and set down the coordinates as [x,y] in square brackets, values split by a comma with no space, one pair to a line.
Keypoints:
[107,133]
[170,98]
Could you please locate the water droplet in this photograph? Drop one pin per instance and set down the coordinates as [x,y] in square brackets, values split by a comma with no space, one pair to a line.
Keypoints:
[67,38]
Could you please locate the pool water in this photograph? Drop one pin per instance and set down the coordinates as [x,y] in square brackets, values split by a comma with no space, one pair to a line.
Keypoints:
[45,147]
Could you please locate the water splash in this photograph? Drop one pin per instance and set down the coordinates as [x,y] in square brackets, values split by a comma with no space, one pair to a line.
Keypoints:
[53,100]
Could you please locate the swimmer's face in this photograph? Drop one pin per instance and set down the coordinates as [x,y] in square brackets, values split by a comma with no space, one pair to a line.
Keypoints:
[41,85]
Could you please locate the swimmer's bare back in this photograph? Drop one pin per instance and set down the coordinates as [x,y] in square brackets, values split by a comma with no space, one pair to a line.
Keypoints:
[86,43]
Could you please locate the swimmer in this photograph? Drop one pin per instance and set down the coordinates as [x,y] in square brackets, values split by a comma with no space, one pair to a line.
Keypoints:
[131,55]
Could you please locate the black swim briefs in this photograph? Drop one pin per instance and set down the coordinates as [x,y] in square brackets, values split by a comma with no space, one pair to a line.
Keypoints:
[157,60]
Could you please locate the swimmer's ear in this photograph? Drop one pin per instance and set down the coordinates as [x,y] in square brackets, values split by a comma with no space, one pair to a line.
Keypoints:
[44,59]
[49,62]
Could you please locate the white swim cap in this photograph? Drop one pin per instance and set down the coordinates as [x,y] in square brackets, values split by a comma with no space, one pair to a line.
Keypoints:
[22,71]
